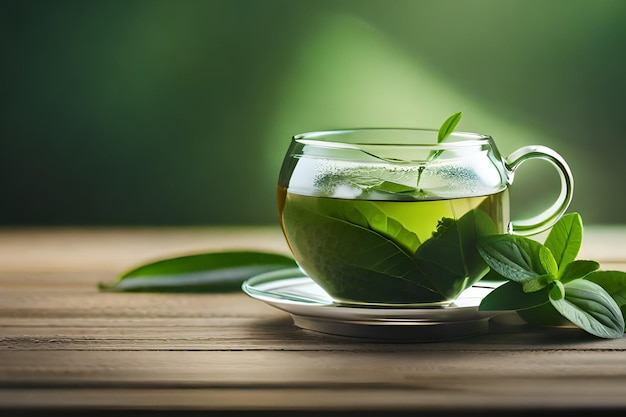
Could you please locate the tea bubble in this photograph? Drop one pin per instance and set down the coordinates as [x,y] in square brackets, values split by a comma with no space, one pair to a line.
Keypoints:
[350,180]
[344,179]
[452,180]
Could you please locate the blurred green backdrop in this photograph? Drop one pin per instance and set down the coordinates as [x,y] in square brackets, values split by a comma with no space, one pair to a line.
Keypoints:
[178,112]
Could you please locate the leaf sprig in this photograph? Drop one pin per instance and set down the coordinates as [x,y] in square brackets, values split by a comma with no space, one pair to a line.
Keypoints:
[448,126]
[445,130]
[547,278]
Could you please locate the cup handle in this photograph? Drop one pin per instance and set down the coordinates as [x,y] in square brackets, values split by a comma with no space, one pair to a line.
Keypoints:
[549,217]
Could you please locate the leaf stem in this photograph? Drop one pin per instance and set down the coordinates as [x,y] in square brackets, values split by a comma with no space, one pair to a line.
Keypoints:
[419,176]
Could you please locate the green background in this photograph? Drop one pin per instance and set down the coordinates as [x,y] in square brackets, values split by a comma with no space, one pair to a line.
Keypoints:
[179,112]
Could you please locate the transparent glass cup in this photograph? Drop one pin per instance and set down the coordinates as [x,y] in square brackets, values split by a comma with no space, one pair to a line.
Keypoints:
[391,217]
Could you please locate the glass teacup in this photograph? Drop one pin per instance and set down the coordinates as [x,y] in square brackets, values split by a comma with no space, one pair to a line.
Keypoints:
[391,217]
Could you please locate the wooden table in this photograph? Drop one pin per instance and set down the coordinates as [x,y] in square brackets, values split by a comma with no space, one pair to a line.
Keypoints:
[66,348]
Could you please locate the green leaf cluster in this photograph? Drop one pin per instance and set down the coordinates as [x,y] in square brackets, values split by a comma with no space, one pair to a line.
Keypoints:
[545,282]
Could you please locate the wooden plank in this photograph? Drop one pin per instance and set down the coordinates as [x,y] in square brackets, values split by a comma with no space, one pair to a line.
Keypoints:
[433,368]
[390,379]
[66,346]
[130,305]
[494,397]
[277,333]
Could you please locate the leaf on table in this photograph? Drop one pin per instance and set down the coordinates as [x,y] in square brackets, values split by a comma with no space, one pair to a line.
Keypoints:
[198,273]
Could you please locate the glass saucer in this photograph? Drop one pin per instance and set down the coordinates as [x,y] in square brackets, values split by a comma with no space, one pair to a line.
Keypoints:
[311,308]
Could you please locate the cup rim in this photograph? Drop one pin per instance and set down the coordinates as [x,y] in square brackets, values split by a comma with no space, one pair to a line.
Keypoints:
[326,138]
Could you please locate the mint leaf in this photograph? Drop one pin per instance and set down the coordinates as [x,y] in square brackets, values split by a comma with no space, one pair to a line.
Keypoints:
[206,272]
[448,126]
[537,283]
[547,261]
[579,293]
[543,315]
[558,291]
[514,257]
[565,239]
[589,307]
[510,296]
[613,282]
[577,269]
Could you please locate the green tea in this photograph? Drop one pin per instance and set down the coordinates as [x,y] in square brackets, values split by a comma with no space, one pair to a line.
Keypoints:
[391,251]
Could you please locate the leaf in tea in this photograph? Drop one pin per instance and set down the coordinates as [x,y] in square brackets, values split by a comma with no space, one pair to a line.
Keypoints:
[350,261]
[450,257]
[393,188]
[368,215]
[347,245]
